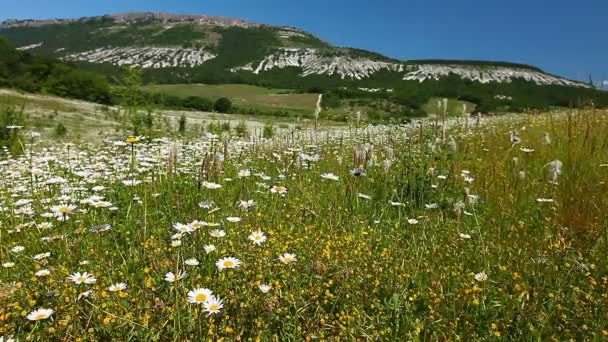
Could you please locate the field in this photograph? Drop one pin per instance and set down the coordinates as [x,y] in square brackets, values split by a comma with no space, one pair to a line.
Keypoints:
[243,95]
[494,228]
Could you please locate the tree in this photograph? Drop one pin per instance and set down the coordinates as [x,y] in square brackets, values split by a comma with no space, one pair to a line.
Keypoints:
[223,105]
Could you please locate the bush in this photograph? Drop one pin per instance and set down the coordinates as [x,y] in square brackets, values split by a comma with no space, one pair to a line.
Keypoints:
[223,105]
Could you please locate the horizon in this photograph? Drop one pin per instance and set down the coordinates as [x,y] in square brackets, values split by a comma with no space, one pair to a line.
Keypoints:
[554,52]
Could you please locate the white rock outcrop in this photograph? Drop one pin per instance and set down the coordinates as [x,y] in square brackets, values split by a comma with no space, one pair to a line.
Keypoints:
[145,57]
[314,62]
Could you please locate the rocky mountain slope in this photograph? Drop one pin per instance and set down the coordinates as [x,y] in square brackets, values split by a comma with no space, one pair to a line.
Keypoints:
[173,41]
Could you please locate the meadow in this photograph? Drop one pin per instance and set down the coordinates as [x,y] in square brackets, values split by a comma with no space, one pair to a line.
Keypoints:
[493,228]
[243,95]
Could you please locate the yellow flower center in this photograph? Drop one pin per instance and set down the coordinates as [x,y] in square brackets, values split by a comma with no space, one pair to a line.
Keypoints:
[228,263]
[132,139]
[200,297]
[214,307]
[81,279]
[64,209]
[40,316]
[287,260]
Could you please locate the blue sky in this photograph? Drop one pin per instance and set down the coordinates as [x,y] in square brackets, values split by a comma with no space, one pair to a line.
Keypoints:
[565,37]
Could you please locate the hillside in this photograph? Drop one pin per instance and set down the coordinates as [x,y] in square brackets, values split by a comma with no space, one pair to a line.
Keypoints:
[183,49]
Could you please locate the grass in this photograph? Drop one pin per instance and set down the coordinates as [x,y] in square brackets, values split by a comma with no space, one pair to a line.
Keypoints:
[243,95]
[399,253]
[455,107]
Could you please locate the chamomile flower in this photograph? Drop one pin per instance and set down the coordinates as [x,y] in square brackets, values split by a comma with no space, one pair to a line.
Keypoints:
[117,287]
[209,248]
[217,233]
[288,258]
[212,186]
[63,209]
[191,262]
[264,288]
[17,249]
[199,296]
[278,189]
[82,278]
[42,273]
[481,276]
[40,314]
[330,176]
[233,219]
[174,277]
[213,305]
[257,237]
[227,262]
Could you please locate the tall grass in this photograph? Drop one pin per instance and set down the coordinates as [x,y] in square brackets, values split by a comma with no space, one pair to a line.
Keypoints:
[393,229]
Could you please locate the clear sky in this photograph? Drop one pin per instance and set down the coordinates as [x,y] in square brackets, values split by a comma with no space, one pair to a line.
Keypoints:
[565,37]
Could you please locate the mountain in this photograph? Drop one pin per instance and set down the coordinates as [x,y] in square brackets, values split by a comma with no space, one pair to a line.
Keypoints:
[173,48]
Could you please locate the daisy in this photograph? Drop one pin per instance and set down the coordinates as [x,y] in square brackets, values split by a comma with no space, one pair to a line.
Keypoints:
[42,256]
[288,258]
[209,248]
[45,225]
[196,224]
[464,236]
[172,277]
[264,288]
[63,209]
[213,305]
[278,189]
[205,204]
[395,204]
[79,278]
[481,276]
[330,176]
[412,221]
[42,273]
[217,233]
[176,243]
[183,228]
[244,173]
[233,219]
[199,296]
[257,237]
[17,249]
[8,264]
[191,262]
[40,314]
[228,262]
[245,205]
[526,150]
[212,186]
[117,287]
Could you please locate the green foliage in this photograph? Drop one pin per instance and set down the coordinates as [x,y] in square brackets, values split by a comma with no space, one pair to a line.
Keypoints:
[223,105]
[11,122]
[182,124]
[241,129]
[60,130]
[268,131]
[39,74]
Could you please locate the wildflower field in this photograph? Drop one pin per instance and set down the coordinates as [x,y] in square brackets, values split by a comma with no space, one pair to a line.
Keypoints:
[489,229]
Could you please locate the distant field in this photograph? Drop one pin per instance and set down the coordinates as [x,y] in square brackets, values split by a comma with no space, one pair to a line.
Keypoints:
[242,95]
